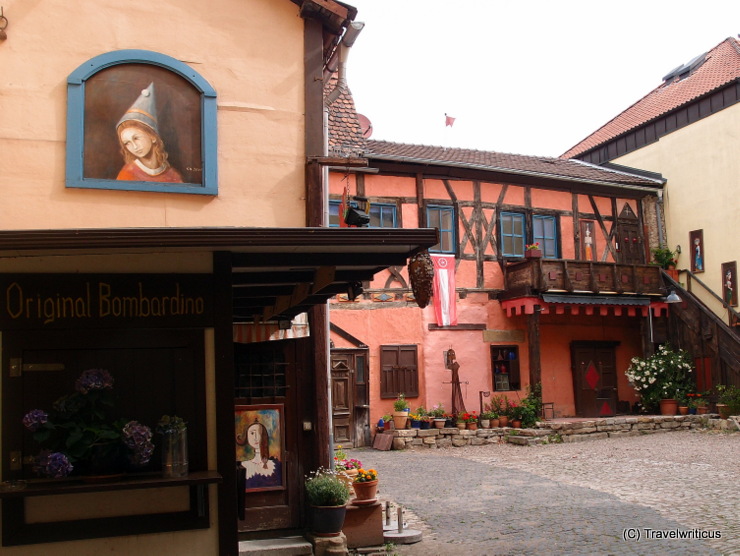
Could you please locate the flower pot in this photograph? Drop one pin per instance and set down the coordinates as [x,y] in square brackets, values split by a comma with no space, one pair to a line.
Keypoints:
[425,425]
[485,423]
[415,424]
[516,423]
[723,410]
[683,410]
[533,254]
[472,426]
[327,521]
[387,425]
[348,476]
[702,410]
[495,423]
[399,419]
[460,425]
[668,406]
[692,411]
[440,423]
[503,421]
[366,491]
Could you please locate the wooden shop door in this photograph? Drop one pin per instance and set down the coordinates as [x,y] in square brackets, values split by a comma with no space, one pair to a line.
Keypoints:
[270,391]
[594,378]
[349,397]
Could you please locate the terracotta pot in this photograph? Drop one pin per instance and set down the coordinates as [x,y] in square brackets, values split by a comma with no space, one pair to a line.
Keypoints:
[702,410]
[327,521]
[366,490]
[516,424]
[460,425]
[503,421]
[440,423]
[668,407]
[348,476]
[495,423]
[399,419]
[533,254]
[472,426]
[683,410]
[723,410]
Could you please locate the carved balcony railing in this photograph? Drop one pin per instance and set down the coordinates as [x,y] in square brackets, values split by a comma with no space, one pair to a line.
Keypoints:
[536,276]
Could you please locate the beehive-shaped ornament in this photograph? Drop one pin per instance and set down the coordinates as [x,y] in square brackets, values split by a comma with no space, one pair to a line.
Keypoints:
[421,275]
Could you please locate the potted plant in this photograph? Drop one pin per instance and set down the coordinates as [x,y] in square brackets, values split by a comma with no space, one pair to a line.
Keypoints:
[387,421]
[533,251]
[438,415]
[346,467]
[661,378]
[366,486]
[415,420]
[486,417]
[174,431]
[80,434]
[500,406]
[400,412]
[327,495]
[728,400]
[666,259]
[425,420]
[470,419]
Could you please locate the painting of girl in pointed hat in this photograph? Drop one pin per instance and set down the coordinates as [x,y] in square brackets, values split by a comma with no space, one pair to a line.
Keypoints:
[144,152]
[142,125]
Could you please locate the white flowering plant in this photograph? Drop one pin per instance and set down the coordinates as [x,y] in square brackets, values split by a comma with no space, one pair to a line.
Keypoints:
[664,375]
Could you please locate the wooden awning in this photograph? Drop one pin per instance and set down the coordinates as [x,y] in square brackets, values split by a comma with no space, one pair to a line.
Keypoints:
[277,273]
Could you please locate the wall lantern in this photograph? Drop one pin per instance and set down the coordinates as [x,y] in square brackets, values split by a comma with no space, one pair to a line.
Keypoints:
[358,217]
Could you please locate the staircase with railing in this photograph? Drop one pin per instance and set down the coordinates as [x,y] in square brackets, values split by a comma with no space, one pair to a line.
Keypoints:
[694,326]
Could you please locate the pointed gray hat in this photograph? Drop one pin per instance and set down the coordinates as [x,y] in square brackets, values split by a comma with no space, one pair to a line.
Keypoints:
[144,110]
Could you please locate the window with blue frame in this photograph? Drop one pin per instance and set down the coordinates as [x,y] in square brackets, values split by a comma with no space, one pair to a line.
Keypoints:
[513,234]
[382,215]
[442,218]
[141,121]
[545,232]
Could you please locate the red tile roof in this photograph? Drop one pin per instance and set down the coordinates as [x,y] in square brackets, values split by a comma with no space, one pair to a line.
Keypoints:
[345,133]
[517,164]
[720,67]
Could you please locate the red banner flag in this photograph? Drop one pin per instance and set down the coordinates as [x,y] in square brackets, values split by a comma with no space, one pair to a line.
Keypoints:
[449,120]
[445,304]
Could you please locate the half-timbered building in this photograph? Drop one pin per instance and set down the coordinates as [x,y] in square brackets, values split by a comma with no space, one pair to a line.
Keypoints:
[570,314]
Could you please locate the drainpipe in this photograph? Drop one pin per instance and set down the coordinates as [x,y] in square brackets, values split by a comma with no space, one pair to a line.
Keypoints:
[340,55]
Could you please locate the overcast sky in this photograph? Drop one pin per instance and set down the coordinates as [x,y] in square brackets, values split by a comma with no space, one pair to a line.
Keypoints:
[520,76]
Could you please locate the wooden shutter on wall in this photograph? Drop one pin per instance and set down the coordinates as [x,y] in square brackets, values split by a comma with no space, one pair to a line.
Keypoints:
[398,371]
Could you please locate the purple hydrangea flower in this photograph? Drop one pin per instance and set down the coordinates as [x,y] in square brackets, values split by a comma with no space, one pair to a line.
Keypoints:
[53,464]
[94,379]
[34,419]
[138,438]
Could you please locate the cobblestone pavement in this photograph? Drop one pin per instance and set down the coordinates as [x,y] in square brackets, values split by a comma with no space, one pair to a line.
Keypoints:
[576,498]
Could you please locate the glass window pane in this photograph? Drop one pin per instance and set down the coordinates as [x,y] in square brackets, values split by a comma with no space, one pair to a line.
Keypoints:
[519,226]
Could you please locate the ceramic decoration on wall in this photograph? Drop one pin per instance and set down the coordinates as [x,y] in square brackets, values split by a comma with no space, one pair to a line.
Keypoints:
[729,283]
[696,241]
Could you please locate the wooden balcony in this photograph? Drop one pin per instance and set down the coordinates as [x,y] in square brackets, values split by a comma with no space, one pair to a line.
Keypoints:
[537,276]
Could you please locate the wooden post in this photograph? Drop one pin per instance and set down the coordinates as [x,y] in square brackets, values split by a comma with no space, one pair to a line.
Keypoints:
[533,337]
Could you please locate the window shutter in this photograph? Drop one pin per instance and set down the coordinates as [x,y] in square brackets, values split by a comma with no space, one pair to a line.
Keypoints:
[399,371]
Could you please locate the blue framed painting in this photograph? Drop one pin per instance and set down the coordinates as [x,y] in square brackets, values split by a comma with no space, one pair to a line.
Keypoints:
[141,121]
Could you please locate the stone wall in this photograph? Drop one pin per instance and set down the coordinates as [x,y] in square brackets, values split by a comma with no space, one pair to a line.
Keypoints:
[553,432]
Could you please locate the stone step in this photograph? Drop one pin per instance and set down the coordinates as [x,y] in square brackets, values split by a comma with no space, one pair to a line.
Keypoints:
[286,546]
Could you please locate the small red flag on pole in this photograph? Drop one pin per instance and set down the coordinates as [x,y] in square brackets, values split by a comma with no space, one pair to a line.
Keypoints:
[449,120]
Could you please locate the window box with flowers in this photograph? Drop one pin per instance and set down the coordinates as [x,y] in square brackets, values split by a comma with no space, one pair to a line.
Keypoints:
[664,376]
[533,251]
